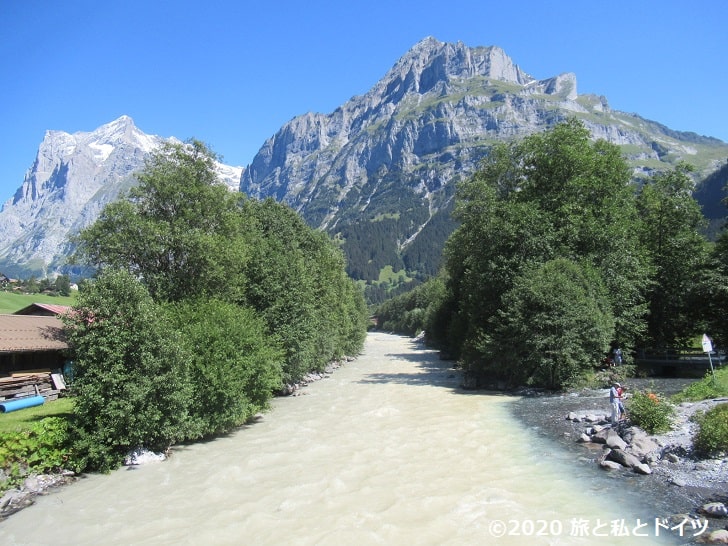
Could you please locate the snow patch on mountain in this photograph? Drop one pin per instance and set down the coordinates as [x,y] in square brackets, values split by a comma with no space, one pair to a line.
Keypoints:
[74,176]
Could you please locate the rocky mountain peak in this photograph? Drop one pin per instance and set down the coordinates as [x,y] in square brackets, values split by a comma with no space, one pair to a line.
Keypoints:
[386,162]
[431,62]
[74,176]
[379,172]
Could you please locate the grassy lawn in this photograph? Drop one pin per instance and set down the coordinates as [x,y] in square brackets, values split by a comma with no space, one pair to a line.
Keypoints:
[11,302]
[705,388]
[19,420]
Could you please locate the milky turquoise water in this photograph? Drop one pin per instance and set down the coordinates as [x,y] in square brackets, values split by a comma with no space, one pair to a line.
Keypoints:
[387,450]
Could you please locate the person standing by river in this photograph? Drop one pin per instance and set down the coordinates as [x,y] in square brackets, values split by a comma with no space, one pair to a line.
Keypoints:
[615,401]
[617,356]
[620,403]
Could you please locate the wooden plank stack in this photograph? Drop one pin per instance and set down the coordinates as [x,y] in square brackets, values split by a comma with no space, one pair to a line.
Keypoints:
[30,383]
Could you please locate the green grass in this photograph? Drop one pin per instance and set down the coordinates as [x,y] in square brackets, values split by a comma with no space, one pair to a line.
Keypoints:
[387,274]
[22,419]
[11,302]
[706,388]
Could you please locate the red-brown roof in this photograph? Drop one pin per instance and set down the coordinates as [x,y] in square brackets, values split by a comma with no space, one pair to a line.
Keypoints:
[19,333]
[43,309]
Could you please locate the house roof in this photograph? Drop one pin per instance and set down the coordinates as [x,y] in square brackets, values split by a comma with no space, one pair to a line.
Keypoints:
[20,333]
[43,309]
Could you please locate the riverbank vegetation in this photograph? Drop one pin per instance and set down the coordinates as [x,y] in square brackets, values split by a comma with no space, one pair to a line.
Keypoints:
[35,440]
[712,385]
[559,258]
[205,304]
[20,420]
[712,436]
[651,412]
[36,447]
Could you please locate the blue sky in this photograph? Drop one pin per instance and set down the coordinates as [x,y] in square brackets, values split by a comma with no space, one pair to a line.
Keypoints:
[231,73]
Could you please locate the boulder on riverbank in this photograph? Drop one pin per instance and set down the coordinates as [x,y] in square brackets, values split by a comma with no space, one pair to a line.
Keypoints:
[669,456]
[14,500]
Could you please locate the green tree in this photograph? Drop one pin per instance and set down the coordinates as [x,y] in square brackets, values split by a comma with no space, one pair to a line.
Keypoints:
[585,190]
[555,323]
[63,285]
[552,195]
[670,232]
[45,285]
[711,293]
[130,375]
[235,366]
[296,280]
[186,236]
[179,230]
[411,312]
[31,285]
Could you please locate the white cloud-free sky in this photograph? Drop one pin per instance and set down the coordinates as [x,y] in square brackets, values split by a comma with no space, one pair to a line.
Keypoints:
[231,72]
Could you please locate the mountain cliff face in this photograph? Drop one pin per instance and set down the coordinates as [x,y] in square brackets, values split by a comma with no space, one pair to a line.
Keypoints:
[71,180]
[378,173]
[391,157]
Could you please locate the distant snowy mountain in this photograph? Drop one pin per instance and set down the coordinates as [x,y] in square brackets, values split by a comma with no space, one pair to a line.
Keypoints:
[71,180]
[378,173]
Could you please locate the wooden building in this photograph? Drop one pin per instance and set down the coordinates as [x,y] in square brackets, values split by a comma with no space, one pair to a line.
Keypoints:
[31,342]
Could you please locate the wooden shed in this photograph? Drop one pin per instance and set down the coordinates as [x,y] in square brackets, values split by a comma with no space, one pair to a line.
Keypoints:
[29,342]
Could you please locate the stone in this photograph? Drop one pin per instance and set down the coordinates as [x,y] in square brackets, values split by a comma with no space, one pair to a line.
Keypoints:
[572,417]
[614,440]
[7,497]
[610,465]
[33,484]
[678,482]
[642,468]
[642,445]
[718,537]
[671,457]
[584,438]
[715,509]
[652,458]
[601,436]
[624,458]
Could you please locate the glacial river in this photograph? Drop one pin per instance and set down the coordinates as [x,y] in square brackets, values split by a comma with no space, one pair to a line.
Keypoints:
[387,450]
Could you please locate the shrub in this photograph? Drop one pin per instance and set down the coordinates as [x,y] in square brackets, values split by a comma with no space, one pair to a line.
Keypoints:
[235,366]
[650,412]
[130,374]
[555,322]
[42,447]
[712,436]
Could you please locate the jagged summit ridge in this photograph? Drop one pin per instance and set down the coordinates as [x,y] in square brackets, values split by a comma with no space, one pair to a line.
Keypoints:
[427,123]
[59,150]
[435,100]
[431,61]
[71,180]
[378,172]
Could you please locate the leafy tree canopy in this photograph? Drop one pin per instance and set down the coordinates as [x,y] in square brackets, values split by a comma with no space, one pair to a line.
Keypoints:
[178,230]
[670,233]
[130,374]
[552,196]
